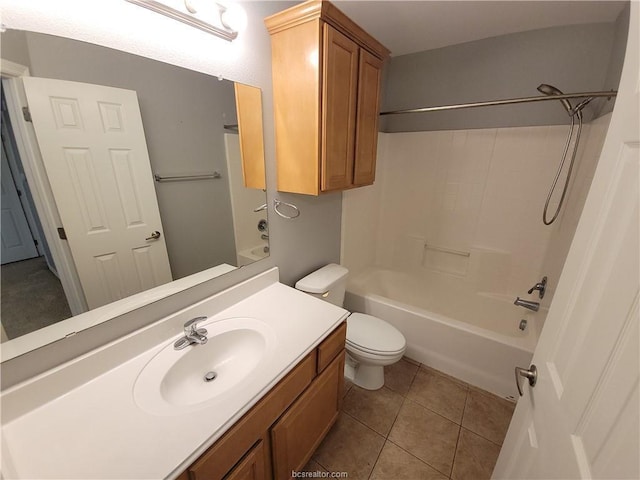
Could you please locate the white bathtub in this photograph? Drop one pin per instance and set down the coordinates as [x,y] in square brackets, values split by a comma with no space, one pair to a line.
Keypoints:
[471,336]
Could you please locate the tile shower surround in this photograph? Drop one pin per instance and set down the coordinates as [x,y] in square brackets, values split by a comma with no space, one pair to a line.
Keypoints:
[421,425]
[466,189]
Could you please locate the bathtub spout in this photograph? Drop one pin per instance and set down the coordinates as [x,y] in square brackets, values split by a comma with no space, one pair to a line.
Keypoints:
[527,304]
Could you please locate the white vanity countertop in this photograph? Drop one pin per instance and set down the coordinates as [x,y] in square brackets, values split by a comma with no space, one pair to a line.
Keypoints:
[96,429]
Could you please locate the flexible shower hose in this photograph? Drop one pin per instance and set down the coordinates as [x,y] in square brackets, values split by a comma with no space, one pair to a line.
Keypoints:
[564,157]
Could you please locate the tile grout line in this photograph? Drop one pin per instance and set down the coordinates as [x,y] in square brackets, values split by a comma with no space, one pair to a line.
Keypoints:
[480,392]
[482,437]
[436,413]
[377,433]
[418,458]
[363,424]
[386,438]
[385,435]
[455,451]
[406,399]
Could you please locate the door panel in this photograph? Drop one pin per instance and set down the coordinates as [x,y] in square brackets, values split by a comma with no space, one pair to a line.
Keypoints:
[581,420]
[17,241]
[95,154]
[370,74]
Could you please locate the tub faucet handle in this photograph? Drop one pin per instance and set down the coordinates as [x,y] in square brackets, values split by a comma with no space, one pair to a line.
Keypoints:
[540,287]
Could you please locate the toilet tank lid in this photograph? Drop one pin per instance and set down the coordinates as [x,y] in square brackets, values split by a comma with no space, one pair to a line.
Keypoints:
[322,280]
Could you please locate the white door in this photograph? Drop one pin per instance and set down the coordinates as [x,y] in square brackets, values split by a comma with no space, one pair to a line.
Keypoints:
[581,419]
[17,241]
[94,151]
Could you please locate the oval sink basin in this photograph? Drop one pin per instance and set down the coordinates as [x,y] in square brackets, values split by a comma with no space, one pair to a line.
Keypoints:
[177,380]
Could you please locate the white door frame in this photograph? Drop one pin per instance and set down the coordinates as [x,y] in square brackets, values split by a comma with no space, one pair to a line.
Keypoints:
[40,189]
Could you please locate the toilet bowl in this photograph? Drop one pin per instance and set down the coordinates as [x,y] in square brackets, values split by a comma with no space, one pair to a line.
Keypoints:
[371,342]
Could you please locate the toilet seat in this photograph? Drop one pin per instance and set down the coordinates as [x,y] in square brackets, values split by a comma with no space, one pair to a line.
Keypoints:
[374,336]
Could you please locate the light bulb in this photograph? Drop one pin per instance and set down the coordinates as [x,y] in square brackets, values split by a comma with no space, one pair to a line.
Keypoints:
[234,17]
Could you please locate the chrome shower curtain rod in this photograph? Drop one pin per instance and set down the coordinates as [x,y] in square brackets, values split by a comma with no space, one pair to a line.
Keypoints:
[507,101]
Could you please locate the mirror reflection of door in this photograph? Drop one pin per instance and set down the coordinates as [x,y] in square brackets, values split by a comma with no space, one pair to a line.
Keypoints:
[94,150]
[32,295]
[17,241]
[208,225]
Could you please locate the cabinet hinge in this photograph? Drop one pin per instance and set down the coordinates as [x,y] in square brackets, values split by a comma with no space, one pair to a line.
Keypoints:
[26,113]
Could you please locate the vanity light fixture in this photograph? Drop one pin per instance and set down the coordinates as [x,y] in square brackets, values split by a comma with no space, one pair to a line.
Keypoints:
[222,20]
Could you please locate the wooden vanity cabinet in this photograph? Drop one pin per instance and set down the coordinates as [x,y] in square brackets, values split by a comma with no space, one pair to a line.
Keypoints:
[326,82]
[281,432]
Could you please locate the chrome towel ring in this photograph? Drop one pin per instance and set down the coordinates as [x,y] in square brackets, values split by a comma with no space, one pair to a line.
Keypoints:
[276,206]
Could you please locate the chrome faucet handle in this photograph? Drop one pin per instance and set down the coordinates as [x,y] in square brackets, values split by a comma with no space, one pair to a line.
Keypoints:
[192,334]
[191,326]
[540,287]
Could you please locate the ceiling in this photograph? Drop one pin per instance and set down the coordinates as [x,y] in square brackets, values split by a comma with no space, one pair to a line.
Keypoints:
[413,26]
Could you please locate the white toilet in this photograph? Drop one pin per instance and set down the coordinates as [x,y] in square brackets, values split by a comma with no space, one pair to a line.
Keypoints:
[372,343]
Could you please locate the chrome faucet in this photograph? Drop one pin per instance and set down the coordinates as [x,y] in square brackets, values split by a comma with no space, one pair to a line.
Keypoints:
[540,287]
[192,334]
[527,304]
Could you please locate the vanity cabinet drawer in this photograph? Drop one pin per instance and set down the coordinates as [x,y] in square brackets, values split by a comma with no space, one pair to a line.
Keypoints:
[216,462]
[301,429]
[331,346]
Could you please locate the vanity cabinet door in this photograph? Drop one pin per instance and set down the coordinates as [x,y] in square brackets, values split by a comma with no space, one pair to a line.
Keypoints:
[251,467]
[300,430]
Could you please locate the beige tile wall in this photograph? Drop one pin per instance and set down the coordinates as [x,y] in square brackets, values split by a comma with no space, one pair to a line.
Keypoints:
[480,191]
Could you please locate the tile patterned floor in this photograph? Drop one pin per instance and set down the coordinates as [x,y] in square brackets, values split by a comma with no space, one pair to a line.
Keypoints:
[422,424]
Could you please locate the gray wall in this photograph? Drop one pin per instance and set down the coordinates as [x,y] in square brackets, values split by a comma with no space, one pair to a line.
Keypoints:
[13,46]
[312,240]
[572,58]
[183,114]
[617,57]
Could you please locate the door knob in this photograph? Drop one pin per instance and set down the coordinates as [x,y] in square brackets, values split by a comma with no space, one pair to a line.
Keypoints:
[154,236]
[531,374]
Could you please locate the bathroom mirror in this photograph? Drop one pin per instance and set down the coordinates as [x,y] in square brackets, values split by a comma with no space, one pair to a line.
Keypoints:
[170,171]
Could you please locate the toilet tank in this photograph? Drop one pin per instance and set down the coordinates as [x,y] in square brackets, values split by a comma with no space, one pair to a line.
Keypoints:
[328,283]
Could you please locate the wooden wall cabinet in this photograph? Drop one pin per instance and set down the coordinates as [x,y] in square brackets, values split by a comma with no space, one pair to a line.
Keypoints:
[281,432]
[326,82]
[249,110]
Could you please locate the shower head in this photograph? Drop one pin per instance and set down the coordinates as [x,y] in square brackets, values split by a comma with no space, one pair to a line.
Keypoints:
[551,90]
